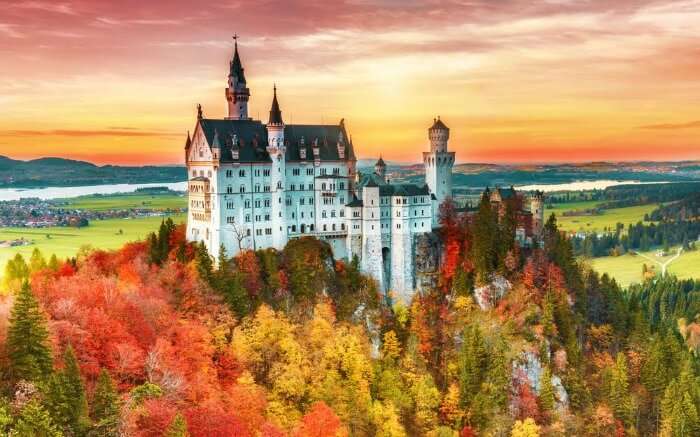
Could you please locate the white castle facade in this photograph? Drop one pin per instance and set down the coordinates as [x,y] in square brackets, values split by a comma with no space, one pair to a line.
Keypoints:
[254,186]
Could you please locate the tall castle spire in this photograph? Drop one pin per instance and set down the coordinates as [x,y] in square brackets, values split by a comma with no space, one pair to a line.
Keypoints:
[237,93]
[275,113]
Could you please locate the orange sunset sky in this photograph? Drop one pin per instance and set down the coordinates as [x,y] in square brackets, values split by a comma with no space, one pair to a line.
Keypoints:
[515,80]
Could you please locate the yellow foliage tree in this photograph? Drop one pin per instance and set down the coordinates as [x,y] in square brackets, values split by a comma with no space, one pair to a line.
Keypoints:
[526,428]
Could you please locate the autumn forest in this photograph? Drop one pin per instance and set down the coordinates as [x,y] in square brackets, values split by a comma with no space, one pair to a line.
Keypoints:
[157,339]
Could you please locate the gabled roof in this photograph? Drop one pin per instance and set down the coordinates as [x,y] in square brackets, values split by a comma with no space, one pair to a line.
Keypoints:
[355,202]
[403,190]
[251,140]
[251,136]
[325,136]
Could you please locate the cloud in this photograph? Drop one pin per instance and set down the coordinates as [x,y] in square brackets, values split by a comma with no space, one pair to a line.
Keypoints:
[673,126]
[124,132]
[9,31]
[58,8]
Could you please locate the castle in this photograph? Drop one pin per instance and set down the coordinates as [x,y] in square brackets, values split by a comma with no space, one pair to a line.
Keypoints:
[254,185]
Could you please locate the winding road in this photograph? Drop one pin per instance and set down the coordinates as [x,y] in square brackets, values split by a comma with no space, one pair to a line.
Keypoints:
[664,264]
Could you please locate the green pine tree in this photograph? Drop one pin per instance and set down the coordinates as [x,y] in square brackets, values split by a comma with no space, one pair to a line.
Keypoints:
[35,421]
[546,396]
[177,428]
[105,407]
[484,250]
[472,364]
[619,395]
[53,263]
[28,339]
[679,414]
[66,398]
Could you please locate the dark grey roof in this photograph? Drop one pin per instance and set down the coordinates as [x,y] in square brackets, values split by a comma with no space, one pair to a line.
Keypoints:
[236,68]
[438,124]
[331,176]
[380,162]
[403,190]
[251,136]
[374,178]
[355,202]
[275,113]
[326,136]
[507,193]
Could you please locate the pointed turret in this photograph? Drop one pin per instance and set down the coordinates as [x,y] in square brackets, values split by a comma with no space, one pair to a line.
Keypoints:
[237,94]
[380,168]
[188,143]
[275,113]
[236,68]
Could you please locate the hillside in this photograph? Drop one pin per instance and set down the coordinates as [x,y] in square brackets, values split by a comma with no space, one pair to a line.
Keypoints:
[153,340]
[58,172]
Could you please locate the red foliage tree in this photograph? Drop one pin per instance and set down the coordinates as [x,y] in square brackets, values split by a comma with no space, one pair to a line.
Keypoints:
[320,421]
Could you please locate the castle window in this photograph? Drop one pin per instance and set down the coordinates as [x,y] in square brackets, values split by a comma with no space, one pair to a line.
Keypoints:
[257,218]
[229,173]
[295,172]
[311,200]
[301,201]
[229,220]
[309,172]
[294,228]
[292,187]
[229,189]
[267,203]
[267,217]
[288,201]
[247,218]
[268,231]
[258,232]
[257,172]
[342,185]
[229,205]
[336,171]
[323,214]
[247,203]
[333,213]
[325,228]
[266,172]
[257,188]
[241,173]
[323,186]
[334,226]
[342,226]
[242,188]
[266,188]
[247,232]
[311,186]
[342,213]
[279,185]
[323,172]
[311,228]
[293,216]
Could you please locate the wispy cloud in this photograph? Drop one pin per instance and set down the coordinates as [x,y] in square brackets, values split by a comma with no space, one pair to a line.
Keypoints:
[673,126]
[124,132]
[58,8]
[9,30]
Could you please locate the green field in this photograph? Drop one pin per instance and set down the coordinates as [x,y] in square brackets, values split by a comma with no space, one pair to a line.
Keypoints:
[627,269]
[597,223]
[128,201]
[65,241]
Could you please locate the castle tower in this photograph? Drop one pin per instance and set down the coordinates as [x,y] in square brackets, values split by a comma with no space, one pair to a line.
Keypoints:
[380,168]
[537,210]
[438,162]
[276,148]
[237,93]
[373,258]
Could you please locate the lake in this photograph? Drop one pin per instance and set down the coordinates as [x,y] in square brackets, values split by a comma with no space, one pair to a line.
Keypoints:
[63,192]
[582,185]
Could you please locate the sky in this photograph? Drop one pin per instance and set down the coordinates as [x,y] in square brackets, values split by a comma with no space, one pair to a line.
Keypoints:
[516,81]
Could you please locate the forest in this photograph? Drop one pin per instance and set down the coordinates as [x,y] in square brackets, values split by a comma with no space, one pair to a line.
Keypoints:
[156,339]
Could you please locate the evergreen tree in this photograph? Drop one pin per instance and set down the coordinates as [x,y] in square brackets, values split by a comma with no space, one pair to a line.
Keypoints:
[37,262]
[35,421]
[204,263]
[66,398]
[472,364]
[53,263]
[484,250]
[27,339]
[177,428]
[546,398]
[105,407]
[619,395]
[679,414]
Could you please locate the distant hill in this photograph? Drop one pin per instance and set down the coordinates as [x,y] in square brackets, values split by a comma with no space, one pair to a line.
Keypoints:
[44,172]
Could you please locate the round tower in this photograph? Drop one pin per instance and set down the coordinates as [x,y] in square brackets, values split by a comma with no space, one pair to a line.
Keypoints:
[537,210]
[277,149]
[380,168]
[438,134]
[237,93]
